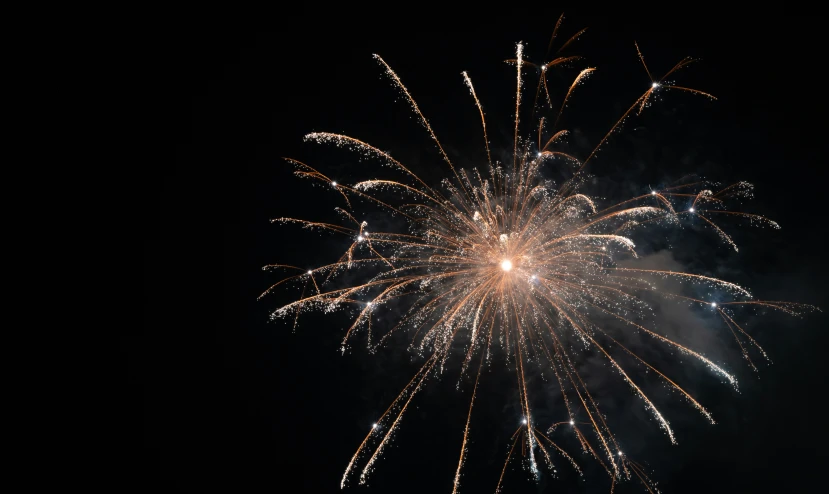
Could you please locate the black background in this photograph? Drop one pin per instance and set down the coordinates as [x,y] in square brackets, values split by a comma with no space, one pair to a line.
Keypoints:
[227,401]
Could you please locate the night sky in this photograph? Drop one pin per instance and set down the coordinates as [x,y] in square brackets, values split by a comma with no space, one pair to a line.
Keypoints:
[227,401]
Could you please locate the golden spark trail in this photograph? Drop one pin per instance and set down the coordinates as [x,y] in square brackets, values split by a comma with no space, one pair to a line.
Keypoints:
[579,79]
[481,110]
[423,120]
[457,482]
[519,53]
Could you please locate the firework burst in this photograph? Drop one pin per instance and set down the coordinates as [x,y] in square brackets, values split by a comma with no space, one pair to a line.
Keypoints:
[499,258]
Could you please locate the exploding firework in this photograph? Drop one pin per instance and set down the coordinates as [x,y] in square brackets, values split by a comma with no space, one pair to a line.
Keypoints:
[500,259]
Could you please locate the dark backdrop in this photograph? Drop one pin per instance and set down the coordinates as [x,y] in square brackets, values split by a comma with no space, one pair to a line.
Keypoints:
[226,401]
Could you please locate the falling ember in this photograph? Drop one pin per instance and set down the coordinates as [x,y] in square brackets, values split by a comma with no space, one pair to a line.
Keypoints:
[459,280]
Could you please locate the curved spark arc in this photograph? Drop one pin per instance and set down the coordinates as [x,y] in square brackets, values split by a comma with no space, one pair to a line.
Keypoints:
[510,260]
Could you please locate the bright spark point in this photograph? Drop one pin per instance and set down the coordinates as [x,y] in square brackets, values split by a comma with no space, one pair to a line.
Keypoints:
[523,421]
[360,238]
[368,304]
[572,423]
[655,84]
[533,276]
[713,304]
[334,183]
[690,210]
[373,426]
[653,192]
[506,264]
[309,271]
[620,453]
[539,154]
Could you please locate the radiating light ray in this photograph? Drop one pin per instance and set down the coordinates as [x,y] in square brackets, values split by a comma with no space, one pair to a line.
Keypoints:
[506,261]
[555,32]
[579,79]
[457,482]
[642,59]
[572,39]
[519,54]
[481,111]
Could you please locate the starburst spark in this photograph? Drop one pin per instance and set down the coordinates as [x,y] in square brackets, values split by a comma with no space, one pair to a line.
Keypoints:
[506,259]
